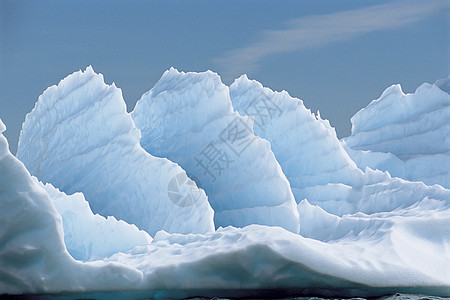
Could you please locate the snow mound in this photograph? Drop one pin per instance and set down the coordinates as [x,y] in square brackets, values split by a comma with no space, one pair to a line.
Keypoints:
[92,237]
[80,138]
[314,161]
[188,118]
[405,134]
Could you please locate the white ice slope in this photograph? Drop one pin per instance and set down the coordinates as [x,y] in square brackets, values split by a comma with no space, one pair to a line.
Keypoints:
[188,118]
[405,134]
[80,138]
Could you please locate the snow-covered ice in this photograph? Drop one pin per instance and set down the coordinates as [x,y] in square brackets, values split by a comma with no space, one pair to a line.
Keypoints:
[80,138]
[362,232]
[188,118]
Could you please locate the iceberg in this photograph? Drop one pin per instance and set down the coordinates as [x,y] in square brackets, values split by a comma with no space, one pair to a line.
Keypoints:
[363,233]
[188,118]
[407,135]
[80,138]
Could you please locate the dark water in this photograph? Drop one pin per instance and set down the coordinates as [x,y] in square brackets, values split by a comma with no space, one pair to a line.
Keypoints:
[174,295]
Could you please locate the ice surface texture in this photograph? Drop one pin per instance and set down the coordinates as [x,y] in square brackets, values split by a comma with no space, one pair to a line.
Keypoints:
[405,134]
[188,118]
[80,138]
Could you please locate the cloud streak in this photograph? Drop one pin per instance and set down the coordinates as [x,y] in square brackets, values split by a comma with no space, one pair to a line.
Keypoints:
[321,30]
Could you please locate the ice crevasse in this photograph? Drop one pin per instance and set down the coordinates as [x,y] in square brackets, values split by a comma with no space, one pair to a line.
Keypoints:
[363,233]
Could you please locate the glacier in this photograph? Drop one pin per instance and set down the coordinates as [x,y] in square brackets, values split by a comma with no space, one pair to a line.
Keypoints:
[80,138]
[363,232]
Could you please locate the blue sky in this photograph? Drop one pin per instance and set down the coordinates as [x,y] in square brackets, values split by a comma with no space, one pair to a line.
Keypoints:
[336,56]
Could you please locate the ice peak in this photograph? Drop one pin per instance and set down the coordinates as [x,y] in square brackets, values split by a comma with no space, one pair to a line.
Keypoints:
[189,118]
[2,126]
[395,89]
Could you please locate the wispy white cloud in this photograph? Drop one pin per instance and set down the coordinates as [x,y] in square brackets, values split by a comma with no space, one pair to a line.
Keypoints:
[321,30]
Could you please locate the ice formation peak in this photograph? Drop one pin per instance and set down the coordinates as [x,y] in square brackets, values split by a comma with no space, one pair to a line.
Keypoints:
[384,110]
[405,134]
[189,118]
[80,138]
